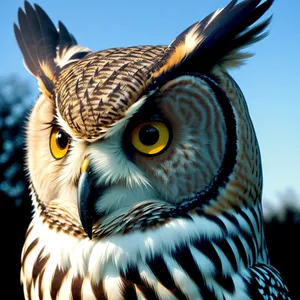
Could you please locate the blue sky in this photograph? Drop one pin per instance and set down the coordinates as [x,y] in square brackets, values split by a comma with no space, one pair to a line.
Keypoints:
[270,80]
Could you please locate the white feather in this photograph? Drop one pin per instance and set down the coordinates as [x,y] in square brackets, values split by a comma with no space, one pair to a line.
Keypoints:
[112,165]
[67,53]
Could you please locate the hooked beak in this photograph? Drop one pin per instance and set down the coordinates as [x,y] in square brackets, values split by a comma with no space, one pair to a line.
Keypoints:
[84,198]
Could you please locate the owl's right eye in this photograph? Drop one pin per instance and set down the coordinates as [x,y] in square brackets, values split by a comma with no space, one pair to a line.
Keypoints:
[59,143]
[151,138]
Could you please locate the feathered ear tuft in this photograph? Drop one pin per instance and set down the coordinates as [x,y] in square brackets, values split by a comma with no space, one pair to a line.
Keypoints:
[42,45]
[217,39]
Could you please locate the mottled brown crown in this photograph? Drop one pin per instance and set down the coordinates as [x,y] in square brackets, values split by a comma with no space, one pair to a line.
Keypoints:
[95,92]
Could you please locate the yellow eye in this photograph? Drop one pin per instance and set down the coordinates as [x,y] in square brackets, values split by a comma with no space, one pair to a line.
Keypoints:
[150,137]
[59,143]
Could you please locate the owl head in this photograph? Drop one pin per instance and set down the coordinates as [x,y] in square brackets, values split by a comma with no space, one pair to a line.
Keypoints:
[129,138]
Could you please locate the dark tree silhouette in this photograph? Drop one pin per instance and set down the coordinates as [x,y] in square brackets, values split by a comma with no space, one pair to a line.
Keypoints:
[15,205]
[282,229]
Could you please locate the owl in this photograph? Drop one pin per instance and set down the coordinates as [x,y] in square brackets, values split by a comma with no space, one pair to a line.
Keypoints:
[145,171]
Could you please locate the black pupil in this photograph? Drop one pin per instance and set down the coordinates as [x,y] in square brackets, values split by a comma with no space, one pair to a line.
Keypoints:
[148,135]
[62,140]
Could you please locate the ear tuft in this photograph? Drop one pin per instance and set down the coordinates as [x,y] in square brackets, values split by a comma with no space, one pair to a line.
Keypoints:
[217,39]
[40,42]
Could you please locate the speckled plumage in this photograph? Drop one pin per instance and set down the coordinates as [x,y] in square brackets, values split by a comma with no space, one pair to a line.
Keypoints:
[95,92]
[114,220]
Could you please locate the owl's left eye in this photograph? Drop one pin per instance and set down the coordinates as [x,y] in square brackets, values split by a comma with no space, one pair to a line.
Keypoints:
[59,143]
[150,137]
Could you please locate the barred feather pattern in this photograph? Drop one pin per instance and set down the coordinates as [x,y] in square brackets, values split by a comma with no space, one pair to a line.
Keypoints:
[203,258]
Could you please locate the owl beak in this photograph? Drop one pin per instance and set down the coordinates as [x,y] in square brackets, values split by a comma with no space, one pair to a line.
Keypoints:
[84,201]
